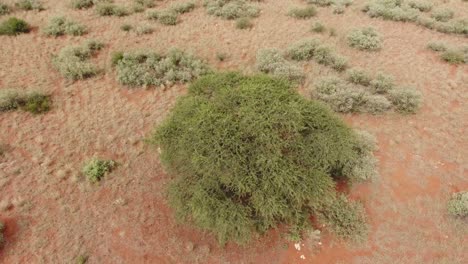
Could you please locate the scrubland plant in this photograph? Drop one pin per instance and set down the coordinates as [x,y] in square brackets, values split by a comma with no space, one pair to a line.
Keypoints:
[4,9]
[436,46]
[458,204]
[30,5]
[2,238]
[110,9]
[405,100]
[231,9]
[244,23]
[60,26]
[14,26]
[365,39]
[72,61]
[322,54]
[271,61]
[358,76]
[302,12]
[382,83]
[168,17]
[442,14]
[318,27]
[35,102]
[95,169]
[454,56]
[271,159]
[152,69]
[182,8]
[421,5]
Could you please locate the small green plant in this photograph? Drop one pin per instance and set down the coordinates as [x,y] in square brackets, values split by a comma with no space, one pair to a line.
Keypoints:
[391,10]
[271,61]
[437,46]
[72,62]
[244,23]
[82,259]
[145,3]
[221,56]
[358,76]
[182,8]
[4,9]
[126,27]
[116,57]
[303,13]
[231,9]
[318,27]
[30,5]
[14,26]
[325,55]
[143,30]
[442,14]
[457,206]
[303,50]
[332,32]
[95,169]
[382,83]
[405,100]
[453,56]
[109,9]
[365,39]
[152,15]
[421,5]
[168,17]
[82,4]
[59,26]
[35,102]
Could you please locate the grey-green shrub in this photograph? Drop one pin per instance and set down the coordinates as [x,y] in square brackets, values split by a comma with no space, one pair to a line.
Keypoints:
[442,14]
[436,46]
[358,76]
[182,8]
[303,50]
[405,100]
[453,56]
[421,5]
[325,55]
[272,62]
[95,169]
[244,23]
[382,83]
[365,39]
[109,9]
[458,204]
[60,26]
[4,9]
[72,61]
[318,27]
[167,17]
[30,5]
[302,13]
[145,3]
[126,27]
[152,69]
[35,102]
[391,10]
[231,9]
[9,99]
[143,30]
[152,15]
[82,4]
[14,26]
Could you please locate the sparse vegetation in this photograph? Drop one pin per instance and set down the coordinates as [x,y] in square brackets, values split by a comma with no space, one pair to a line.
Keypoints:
[272,62]
[244,23]
[33,101]
[322,54]
[318,27]
[59,26]
[110,9]
[421,5]
[303,13]
[382,83]
[269,159]
[457,206]
[152,69]
[30,5]
[365,39]
[405,100]
[359,76]
[231,9]
[436,46]
[167,17]
[72,61]
[82,4]
[4,9]
[453,56]
[2,238]
[126,27]
[14,26]
[143,30]
[182,8]
[442,14]
[82,259]
[95,169]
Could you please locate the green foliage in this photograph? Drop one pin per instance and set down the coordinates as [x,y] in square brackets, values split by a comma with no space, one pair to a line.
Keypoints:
[168,17]
[148,68]
[82,259]
[109,9]
[9,100]
[272,62]
[4,9]
[34,102]
[82,4]
[345,218]
[143,30]
[365,168]
[126,27]
[318,27]
[30,5]
[2,238]
[365,39]
[72,61]
[182,8]
[13,26]
[116,57]
[436,46]
[453,56]
[442,14]
[358,76]
[244,23]
[322,54]
[303,50]
[421,5]
[303,13]
[145,3]
[59,26]
[391,10]
[405,100]
[221,56]
[95,169]
[231,9]
[458,204]
[268,160]
[382,83]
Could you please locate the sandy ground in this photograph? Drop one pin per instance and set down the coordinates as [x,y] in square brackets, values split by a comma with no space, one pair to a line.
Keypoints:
[53,214]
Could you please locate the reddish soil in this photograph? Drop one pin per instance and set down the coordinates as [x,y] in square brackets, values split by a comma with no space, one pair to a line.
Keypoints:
[53,214]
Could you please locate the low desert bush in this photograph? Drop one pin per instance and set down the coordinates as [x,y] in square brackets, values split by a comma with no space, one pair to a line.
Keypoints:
[421,5]
[72,61]
[152,15]
[405,100]
[318,27]
[303,50]
[436,46]
[95,169]
[382,84]
[116,57]
[358,76]
[14,26]
[391,10]
[458,204]
[30,5]
[2,238]
[110,9]
[244,23]
[182,8]
[271,61]
[145,3]
[270,159]
[85,4]
[453,56]
[322,54]
[302,13]
[34,101]
[59,26]
[365,39]
[4,9]
[231,9]
[167,17]
[152,69]
[126,27]
[442,14]
[221,56]
[345,218]
[143,30]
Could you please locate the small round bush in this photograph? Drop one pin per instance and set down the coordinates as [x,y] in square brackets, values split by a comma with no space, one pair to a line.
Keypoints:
[4,9]
[365,39]
[126,27]
[423,6]
[303,13]
[436,46]
[318,27]
[13,26]
[231,9]
[36,103]
[244,23]
[96,169]
[458,204]
[272,62]
[382,83]
[168,18]
[405,100]
[442,14]
[303,50]
[359,76]
[30,5]
[453,56]
[270,158]
[182,8]
[82,4]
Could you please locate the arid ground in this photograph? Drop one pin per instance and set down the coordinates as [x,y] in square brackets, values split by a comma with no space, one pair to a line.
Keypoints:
[53,214]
